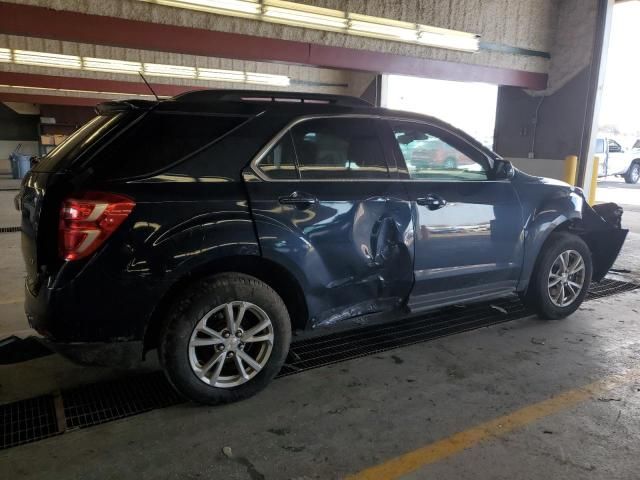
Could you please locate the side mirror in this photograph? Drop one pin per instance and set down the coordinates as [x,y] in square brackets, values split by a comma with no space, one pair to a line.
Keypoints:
[503,170]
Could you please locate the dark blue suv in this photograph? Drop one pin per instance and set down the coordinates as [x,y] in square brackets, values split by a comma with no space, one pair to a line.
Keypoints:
[212,225]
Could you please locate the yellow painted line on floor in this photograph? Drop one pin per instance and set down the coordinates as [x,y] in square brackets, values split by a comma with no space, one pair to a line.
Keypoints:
[11,300]
[434,452]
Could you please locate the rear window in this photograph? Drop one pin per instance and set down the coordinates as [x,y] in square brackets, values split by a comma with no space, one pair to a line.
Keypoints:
[159,140]
[78,142]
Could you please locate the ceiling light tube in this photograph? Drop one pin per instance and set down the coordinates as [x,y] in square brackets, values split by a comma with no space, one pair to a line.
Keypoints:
[221,75]
[387,31]
[304,18]
[240,8]
[454,41]
[5,54]
[169,70]
[108,65]
[268,79]
[326,19]
[27,57]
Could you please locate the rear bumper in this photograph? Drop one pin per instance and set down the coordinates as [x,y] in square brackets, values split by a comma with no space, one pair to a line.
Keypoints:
[92,308]
[116,354]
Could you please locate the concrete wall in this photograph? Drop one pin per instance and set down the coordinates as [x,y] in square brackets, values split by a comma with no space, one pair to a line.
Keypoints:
[549,125]
[520,23]
[540,167]
[559,118]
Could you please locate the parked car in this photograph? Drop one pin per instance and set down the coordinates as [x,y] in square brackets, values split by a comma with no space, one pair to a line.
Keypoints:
[431,152]
[615,160]
[212,225]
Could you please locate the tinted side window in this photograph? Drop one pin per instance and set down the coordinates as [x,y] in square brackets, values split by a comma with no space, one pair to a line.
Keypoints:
[78,142]
[614,147]
[159,140]
[280,162]
[433,154]
[339,148]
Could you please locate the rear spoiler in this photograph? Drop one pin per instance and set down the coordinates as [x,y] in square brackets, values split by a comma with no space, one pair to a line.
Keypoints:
[110,108]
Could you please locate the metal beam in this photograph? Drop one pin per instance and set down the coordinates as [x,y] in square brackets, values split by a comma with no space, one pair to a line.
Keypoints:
[43,22]
[91,84]
[49,99]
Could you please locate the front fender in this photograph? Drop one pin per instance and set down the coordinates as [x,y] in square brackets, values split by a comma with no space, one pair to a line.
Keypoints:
[565,205]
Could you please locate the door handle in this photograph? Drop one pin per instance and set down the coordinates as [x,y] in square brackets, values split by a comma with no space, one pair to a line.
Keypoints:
[432,201]
[298,199]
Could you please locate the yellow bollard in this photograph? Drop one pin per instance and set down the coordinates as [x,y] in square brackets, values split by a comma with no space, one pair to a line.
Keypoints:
[570,169]
[594,181]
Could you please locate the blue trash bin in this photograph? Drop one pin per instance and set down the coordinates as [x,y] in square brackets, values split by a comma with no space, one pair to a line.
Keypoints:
[14,166]
[23,164]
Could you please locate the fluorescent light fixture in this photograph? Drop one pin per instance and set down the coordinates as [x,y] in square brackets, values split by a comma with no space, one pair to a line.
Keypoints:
[268,79]
[240,8]
[43,59]
[152,69]
[303,15]
[381,30]
[108,65]
[221,75]
[443,38]
[326,19]
[169,70]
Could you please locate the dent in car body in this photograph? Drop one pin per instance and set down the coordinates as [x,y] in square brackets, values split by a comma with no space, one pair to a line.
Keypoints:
[549,204]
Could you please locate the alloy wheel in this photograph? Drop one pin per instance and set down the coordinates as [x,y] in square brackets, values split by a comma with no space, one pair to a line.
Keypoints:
[566,278]
[231,344]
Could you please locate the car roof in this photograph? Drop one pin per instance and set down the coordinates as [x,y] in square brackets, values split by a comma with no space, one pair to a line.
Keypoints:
[293,104]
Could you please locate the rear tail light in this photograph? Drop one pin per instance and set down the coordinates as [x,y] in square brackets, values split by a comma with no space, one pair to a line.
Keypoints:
[87,220]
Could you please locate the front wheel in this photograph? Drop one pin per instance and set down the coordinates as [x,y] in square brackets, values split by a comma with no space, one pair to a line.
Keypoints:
[561,278]
[225,339]
[633,174]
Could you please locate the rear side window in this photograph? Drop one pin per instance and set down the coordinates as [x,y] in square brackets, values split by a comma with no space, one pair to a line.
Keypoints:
[160,140]
[339,148]
[86,136]
[280,163]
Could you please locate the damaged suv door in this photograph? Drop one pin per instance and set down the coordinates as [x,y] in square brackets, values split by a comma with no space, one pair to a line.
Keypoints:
[328,209]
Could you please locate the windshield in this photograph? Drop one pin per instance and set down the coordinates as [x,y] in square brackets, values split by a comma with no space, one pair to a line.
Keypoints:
[64,154]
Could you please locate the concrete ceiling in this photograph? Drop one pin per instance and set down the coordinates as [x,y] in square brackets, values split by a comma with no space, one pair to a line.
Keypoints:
[315,61]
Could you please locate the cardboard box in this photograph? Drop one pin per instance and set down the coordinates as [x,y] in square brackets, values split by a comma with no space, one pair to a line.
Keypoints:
[47,140]
[58,139]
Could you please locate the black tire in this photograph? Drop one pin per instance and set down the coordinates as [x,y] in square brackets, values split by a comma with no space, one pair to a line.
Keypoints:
[538,296]
[192,306]
[633,174]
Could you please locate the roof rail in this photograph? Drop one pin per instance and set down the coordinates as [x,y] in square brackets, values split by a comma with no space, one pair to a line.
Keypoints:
[270,96]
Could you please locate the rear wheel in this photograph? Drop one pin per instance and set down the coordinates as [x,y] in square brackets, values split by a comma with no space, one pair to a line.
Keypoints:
[225,339]
[561,277]
[633,174]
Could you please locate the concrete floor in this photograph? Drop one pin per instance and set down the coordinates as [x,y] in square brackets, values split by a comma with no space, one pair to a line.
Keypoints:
[420,411]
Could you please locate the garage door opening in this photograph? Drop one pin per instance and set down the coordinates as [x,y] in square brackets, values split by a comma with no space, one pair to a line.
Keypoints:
[618,140]
[468,106]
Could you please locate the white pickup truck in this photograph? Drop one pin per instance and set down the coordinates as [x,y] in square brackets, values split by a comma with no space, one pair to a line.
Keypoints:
[615,160]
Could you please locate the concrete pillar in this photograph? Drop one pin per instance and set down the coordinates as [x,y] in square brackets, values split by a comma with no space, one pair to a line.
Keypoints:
[537,130]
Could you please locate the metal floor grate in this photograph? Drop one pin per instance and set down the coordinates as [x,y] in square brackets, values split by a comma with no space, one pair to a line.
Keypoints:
[34,419]
[9,229]
[103,402]
[28,420]
[608,287]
